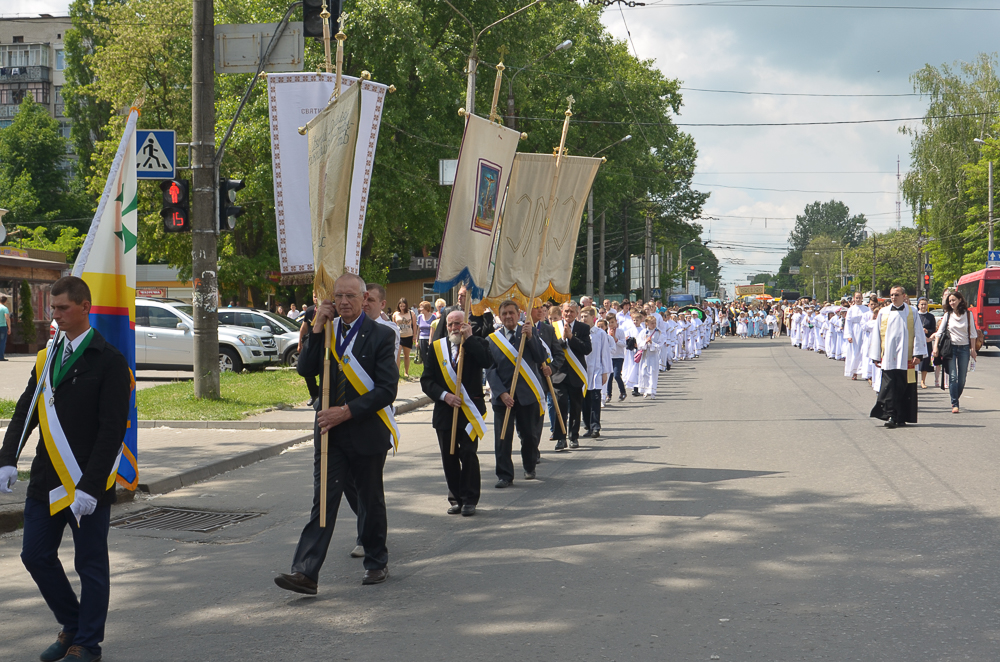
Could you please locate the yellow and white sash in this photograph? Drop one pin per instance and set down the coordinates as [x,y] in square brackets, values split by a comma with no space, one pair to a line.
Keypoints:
[476,429]
[527,374]
[57,446]
[571,358]
[362,382]
[911,373]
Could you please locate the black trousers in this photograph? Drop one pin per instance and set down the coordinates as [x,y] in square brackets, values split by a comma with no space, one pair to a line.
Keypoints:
[313,386]
[528,422]
[461,470]
[592,410]
[571,407]
[897,399]
[343,463]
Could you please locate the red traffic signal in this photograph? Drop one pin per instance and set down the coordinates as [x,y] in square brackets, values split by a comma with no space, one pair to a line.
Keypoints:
[691,268]
[927,280]
[176,211]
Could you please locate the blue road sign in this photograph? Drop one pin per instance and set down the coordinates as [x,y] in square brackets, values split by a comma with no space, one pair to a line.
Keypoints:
[993,256]
[656,292]
[155,154]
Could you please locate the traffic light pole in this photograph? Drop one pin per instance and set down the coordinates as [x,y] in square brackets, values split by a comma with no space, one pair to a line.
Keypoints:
[204,208]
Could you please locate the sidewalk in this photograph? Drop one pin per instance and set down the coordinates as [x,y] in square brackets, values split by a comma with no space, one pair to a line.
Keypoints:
[174,454]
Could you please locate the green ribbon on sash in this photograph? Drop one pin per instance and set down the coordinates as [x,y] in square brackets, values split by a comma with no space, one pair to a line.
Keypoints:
[60,370]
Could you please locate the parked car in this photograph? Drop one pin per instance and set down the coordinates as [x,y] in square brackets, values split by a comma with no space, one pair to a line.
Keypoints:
[285,331]
[164,340]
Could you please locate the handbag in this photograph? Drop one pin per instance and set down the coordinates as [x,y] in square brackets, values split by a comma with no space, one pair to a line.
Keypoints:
[979,336]
[944,343]
[630,344]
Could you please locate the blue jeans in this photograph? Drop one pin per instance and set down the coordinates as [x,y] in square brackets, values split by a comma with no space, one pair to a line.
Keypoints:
[3,341]
[616,366]
[83,618]
[957,367]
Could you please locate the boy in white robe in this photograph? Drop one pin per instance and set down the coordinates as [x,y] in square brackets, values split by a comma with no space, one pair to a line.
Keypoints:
[649,342]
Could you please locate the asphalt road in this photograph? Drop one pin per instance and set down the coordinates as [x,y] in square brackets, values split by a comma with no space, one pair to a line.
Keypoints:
[16,370]
[752,512]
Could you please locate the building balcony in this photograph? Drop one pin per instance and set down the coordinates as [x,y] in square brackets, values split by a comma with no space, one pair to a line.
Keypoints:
[25,75]
[8,111]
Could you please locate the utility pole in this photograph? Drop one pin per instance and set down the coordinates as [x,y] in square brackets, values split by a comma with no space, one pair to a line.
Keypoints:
[590,244]
[647,272]
[991,205]
[204,238]
[627,259]
[873,264]
[600,263]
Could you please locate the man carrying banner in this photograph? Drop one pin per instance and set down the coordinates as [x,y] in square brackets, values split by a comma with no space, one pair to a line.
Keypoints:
[83,412]
[527,401]
[440,383]
[573,340]
[363,382]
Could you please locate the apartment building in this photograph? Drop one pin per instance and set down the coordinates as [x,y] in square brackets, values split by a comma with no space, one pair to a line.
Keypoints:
[32,60]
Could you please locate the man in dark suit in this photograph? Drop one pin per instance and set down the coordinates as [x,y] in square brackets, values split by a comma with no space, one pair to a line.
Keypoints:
[359,436]
[461,470]
[554,360]
[526,410]
[573,341]
[88,406]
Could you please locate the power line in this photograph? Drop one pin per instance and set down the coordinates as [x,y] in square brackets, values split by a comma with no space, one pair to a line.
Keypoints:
[745,124]
[787,190]
[665,5]
[800,94]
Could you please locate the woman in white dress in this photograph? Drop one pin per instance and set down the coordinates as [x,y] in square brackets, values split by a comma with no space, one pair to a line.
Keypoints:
[649,342]
[741,325]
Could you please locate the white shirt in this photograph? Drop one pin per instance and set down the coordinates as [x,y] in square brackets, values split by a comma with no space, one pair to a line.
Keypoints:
[856,316]
[392,325]
[618,343]
[894,354]
[958,329]
[599,359]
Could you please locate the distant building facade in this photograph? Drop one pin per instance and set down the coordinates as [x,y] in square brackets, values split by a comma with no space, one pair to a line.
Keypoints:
[32,60]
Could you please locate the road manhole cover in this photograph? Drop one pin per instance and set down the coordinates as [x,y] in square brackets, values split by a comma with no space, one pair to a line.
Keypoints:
[180,519]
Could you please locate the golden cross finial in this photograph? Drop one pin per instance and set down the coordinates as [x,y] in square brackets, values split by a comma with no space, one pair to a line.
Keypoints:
[570,100]
[502,51]
[340,22]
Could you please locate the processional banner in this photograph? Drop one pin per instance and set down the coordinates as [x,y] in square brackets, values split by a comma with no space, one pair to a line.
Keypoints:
[293,100]
[484,167]
[524,223]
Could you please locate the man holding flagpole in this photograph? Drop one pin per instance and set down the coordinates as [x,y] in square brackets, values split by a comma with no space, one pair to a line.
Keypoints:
[83,412]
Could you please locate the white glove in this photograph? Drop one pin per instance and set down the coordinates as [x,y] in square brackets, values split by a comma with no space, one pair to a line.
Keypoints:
[83,504]
[8,476]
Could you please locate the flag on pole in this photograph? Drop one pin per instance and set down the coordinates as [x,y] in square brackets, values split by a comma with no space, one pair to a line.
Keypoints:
[524,223]
[107,264]
[484,166]
[333,135]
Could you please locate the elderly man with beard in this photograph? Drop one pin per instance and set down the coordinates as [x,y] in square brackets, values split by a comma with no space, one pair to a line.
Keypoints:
[440,382]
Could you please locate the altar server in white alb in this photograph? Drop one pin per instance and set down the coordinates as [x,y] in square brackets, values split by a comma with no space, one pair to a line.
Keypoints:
[897,345]
[599,368]
[853,332]
[649,343]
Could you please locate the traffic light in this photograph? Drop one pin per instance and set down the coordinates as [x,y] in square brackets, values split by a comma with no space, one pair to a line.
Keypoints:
[176,211]
[227,196]
[927,281]
[312,22]
[691,269]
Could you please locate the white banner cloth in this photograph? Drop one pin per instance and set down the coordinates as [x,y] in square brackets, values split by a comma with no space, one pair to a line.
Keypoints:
[484,166]
[293,100]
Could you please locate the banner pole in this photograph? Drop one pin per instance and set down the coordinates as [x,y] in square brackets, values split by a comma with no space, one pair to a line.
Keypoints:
[324,437]
[541,253]
[461,364]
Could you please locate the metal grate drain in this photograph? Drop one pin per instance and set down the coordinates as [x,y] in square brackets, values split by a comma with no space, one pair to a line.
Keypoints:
[180,519]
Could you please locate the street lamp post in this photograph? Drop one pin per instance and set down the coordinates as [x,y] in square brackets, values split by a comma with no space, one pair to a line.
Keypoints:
[511,123]
[989,165]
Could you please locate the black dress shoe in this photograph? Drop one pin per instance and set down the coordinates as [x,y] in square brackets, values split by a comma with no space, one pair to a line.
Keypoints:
[468,510]
[573,443]
[586,435]
[502,483]
[891,424]
[561,445]
[296,582]
[621,397]
[57,650]
[455,510]
[529,475]
[596,434]
[375,576]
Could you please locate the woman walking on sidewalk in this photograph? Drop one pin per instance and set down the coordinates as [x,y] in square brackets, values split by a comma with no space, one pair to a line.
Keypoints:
[955,344]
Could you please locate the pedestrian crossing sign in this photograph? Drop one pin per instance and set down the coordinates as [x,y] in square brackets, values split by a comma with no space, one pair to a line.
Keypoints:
[155,154]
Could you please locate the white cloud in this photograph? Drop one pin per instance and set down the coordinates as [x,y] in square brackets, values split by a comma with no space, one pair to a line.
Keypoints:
[34,7]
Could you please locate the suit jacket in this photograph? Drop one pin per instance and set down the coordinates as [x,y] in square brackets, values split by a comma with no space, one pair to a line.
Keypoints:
[502,373]
[547,334]
[374,349]
[92,403]
[477,359]
[580,344]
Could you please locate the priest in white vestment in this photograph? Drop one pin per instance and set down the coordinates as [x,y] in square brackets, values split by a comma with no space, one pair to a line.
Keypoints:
[897,345]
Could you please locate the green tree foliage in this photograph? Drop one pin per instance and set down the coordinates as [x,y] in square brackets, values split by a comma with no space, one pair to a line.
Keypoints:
[141,48]
[896,255]
[947,197]
[832,219]
[32,146]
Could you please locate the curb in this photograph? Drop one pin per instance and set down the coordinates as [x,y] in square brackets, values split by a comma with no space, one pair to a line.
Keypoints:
[12,518]
[404,407]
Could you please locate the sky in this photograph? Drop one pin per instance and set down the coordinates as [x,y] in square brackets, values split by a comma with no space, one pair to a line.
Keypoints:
[744,46]
[760,177]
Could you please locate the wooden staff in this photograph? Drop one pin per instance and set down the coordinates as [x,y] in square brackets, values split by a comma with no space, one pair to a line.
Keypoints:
[538,262]
[323,440]
[340,55]
[461,364]
[496,93]
[325,15]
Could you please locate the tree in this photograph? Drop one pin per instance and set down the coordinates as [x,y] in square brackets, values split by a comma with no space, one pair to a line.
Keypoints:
[896,257]
[946,205]
[32,145]
[831,219]
[821,267]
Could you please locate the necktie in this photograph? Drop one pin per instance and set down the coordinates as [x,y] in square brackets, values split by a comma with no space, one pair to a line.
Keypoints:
[68,352]
[340,385]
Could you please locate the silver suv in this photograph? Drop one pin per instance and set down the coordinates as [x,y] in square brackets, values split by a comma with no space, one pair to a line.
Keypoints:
[286,331]
[164,340]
